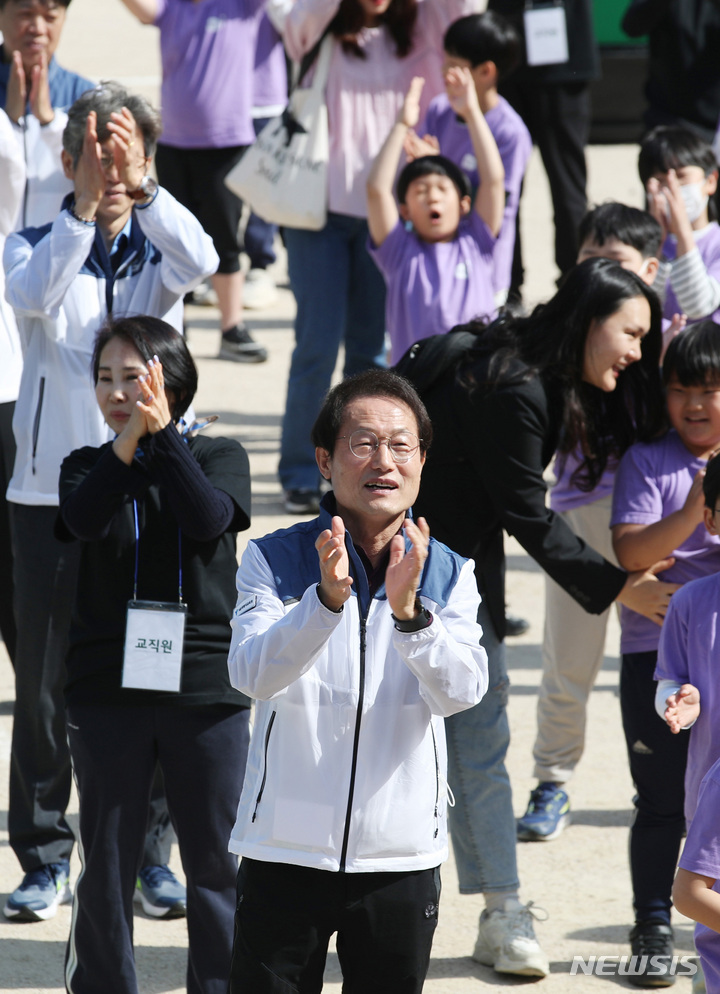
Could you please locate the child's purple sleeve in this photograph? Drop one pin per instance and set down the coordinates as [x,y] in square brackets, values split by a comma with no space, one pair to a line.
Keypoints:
[636,496]
[672,661]
[701,853]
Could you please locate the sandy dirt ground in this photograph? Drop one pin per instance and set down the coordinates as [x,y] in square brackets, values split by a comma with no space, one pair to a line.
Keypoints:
[581,881]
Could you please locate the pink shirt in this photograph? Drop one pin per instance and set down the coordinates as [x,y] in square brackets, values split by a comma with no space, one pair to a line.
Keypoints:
[365,95]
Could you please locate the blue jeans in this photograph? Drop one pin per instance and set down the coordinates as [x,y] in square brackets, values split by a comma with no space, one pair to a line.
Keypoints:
[259,234]
[340,297]
[482,823]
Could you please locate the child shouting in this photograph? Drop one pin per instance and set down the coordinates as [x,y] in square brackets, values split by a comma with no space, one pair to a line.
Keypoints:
[435,250]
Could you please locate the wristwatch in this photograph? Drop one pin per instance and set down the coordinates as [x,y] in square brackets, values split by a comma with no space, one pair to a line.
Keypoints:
[146,191]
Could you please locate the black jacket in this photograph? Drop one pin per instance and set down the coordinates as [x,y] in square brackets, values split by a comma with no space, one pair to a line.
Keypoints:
[484,472]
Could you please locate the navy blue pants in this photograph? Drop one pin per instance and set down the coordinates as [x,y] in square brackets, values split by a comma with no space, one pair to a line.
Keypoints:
[202,753]
[657,764]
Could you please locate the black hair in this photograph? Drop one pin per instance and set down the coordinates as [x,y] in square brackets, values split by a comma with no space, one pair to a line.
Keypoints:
[486,37]
[550,343]
[60,3]
[399,19]
[711,483]
[153,337]
[432,165]
[628,225]
[372,383]
[693,357]
[672,147]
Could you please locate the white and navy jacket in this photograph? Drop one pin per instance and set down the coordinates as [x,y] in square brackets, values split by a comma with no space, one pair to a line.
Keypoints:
[30,151]
[61,284]
[347,763]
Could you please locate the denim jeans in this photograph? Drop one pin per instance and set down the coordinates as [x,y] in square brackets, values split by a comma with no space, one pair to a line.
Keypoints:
[259,234]
[482,823]
[340,296]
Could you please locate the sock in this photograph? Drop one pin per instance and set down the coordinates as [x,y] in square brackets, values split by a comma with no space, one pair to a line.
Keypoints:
[506,900]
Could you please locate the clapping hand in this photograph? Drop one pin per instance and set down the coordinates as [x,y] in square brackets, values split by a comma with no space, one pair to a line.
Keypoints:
[404,571]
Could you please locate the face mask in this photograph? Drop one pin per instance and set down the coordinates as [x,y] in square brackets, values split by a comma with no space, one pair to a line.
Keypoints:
[695,200]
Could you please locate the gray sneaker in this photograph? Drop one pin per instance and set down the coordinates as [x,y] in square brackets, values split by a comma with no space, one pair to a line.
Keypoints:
[506,942]
[160,893]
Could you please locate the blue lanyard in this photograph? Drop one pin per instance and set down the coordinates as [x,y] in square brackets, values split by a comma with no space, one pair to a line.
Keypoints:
[137,556]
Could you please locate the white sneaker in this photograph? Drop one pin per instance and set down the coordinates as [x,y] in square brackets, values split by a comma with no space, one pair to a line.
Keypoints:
[506,942]
[259,290]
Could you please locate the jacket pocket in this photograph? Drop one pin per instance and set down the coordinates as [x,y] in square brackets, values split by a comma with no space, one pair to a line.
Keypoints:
[36,421]
[265,765]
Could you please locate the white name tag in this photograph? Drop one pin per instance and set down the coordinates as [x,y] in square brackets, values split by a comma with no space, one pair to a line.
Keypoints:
[546,40]
[154,635]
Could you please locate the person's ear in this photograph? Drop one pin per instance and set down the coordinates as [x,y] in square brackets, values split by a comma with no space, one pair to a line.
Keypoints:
[465,206]
[711,183]
[485,75]
[68,165]
[324,462]
[404,212]
[651,269]
[709,518]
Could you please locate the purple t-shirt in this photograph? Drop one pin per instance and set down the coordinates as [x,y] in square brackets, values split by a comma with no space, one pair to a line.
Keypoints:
[514,144]
[432,286]
[689,639]
[270,72]
[653,481]
[208,58]
[708,245]
[701,855]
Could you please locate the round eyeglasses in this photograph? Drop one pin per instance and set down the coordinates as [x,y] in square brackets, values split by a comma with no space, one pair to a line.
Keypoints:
[364,443]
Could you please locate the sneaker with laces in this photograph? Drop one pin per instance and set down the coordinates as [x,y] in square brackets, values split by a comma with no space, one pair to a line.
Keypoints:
[651,945]
[238,345]
[40,894]
[548,813]
[506,942]
[302,501]
[160,893]
[259,290]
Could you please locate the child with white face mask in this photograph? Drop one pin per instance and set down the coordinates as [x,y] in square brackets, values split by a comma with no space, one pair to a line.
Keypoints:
[680,174]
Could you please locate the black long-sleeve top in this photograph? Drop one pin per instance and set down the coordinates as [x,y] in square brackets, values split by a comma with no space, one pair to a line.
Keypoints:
[484,472]
[192,499]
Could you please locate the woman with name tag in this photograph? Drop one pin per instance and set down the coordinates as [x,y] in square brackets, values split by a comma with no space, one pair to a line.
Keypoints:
[157,510]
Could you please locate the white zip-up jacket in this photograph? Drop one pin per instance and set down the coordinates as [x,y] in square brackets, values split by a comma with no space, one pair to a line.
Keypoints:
[61,284]
[347,763]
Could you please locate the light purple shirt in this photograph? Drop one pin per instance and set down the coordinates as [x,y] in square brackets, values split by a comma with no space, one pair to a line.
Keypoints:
[208,58]
[688,653]
[708,245]
[432,286]
[514,144]
[270,72]
[653,481]
[701,854]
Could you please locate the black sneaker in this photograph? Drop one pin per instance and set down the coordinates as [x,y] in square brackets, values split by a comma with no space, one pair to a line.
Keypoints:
[515,625]
[302,501]
[651,945]
[238,345]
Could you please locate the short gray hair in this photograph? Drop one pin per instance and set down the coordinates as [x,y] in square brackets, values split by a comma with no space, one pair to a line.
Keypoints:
[108,97]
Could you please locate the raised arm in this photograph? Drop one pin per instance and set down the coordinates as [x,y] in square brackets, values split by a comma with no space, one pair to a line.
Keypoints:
[490,197]
[382,209]
[146,11]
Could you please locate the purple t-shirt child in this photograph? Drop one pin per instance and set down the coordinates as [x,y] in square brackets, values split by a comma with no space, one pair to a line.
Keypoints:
[708,245]
[514,144]
[701,855]
[689,640]
[208,58]
[653,480]
[432,286]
